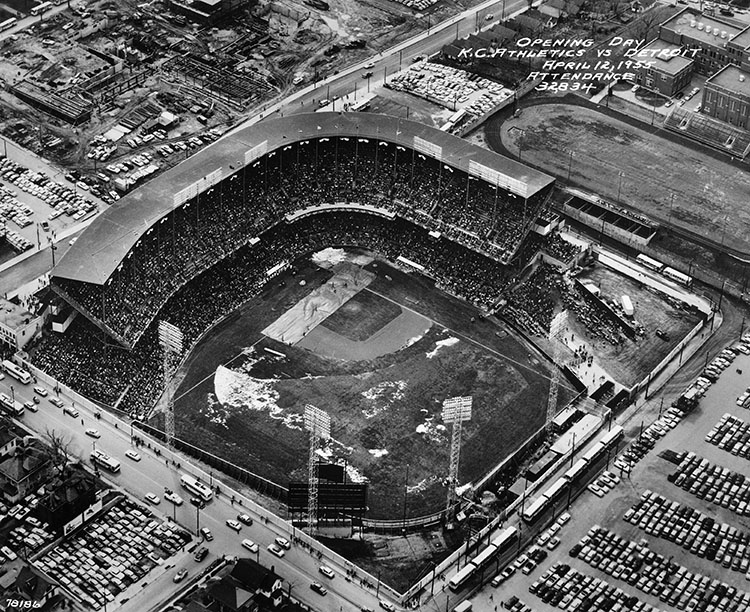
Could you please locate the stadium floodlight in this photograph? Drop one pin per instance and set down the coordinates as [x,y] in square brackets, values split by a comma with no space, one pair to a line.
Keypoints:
[318,423]
[171,341]
[456,410]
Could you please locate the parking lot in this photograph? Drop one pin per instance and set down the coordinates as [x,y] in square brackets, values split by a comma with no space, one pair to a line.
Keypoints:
[650,541]
[111,553]
[35,206]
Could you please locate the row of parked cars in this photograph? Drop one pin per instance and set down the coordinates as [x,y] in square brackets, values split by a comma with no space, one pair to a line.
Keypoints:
[732,435]
[13,210]
[638,449]
[568,589]
[60,197]
[713,483]
[652,573]
[514,604]
[695,531]
[604,483]
[720,363]
[111,553]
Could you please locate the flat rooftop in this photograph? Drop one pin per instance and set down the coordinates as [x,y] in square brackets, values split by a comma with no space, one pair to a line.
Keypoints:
[733,79]
[670,65]
[107,241]
[688,22]
[742,40]
[13,316]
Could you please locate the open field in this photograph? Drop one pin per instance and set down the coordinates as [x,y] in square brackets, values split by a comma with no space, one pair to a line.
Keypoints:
[610,157]
[384,410]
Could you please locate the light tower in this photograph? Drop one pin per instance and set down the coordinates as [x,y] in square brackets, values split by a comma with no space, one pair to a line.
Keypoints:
[456,410]
[318,423]
[556,328]
[170,340]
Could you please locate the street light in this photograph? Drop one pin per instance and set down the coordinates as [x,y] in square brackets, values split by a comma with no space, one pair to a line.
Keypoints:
[570,163]
[198,517]
[619,186]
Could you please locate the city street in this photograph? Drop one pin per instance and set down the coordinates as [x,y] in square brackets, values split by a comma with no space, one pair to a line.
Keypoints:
[154,474]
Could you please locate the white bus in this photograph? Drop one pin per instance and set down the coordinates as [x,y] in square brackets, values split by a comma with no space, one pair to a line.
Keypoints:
[194,485]
[649,263]
[678,276]
[8,24]
[41,8]
[101,458]
[19,374]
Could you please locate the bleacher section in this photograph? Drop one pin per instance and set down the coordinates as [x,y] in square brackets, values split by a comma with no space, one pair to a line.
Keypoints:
[709,131]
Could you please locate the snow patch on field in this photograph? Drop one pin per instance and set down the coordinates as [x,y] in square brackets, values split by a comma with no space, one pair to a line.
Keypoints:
[440,344]
[382,395]
[235,390]
[434,432]
[335,452]
[422,485]
[327,258]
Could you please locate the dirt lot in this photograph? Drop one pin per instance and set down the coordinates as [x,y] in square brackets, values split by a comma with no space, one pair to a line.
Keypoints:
[631,362]
[610,156]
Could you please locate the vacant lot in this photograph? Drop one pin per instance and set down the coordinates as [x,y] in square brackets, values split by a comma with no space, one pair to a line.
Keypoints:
[650,173]
[630,362]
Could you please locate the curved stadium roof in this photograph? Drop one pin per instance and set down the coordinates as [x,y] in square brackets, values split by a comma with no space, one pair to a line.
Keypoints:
[107,241]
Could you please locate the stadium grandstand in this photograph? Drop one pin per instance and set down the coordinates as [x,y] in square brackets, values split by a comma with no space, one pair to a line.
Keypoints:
[190,252]
[134,257]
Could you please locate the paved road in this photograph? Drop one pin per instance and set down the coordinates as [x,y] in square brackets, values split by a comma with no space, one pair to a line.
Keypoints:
[153,474]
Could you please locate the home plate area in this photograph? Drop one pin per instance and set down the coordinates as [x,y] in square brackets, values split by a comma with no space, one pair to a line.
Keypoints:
[345,320]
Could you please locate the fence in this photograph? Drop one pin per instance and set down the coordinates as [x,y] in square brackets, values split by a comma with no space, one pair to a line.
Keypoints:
[281,526]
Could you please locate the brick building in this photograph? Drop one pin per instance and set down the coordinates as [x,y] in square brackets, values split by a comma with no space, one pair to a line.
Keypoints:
[727,96]
[665,72]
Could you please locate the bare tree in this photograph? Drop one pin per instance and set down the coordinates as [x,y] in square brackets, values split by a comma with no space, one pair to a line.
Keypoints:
[62,451]
[649,21]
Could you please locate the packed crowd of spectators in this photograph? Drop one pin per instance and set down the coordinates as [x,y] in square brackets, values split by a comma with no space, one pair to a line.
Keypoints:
[133,379]
[559,248]
[193,237]
[533,303]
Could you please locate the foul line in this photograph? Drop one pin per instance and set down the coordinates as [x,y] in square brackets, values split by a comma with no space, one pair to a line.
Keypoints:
[471,340]
[453,331]
[200,382]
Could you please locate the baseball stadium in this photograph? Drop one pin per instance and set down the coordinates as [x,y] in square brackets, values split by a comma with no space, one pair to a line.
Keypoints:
[367,265]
